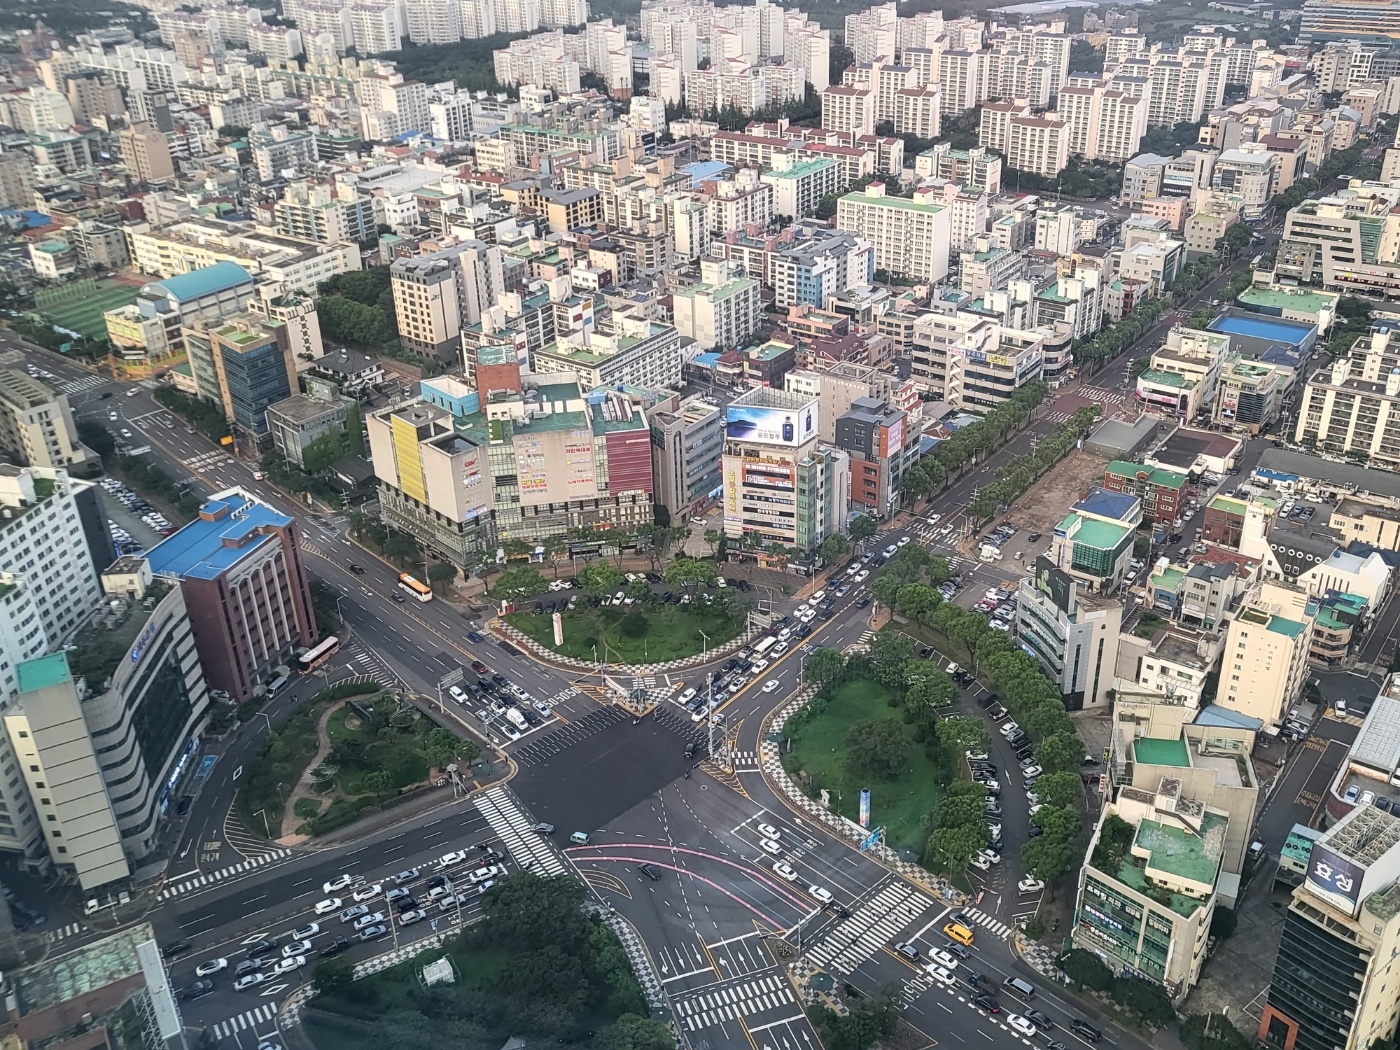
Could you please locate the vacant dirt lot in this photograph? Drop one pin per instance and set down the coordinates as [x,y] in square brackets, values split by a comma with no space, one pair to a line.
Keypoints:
[1047,502]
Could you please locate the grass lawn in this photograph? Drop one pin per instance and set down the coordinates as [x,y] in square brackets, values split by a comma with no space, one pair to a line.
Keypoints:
[672,632]
[84,314]
[401,754]
[819,749]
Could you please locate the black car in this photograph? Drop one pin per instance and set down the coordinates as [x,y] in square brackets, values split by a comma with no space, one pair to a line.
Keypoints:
[1085,1030]
[804,630]
[337,946]
[957,949]
[198,990]
[1033,536]
[174,949]
[436,881]
[501,680]
[862,601]
[972,977]
[652,577]
[358,570]
[987,701]
[104,395]
[1039,1019]
[1035,831]
[986,1002]
[532,717]
[406,904]
[649,872]
[186,801]
[690,749]
[729,664]
[926,652]
[263,946]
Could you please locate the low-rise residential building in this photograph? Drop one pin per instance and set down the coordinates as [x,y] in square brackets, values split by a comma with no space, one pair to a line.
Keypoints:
[1159,490]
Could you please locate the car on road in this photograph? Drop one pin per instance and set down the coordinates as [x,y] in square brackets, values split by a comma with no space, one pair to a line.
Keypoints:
[290,963]
[295,948]
[943,958]
[909,951]
[488,873]
[367,893]
[408,918]
[458,694]
[270,1044]
[479,667]
[449,859]
[543,828]
[305,933]
[213,966]
[771,685]
[785,871]
[821,893]
[407,875]
[248,966]
[861,577]
[768,831]
[1039,1019]
[175,948]
[248,980]
[337,946]
[368,920]
[198,990]
[340,882]
[372,933]
[262,947]
[862,601]
[1030,885]
[328,905]
[986,1002]
[770,847]
[1019,1024]
[355,912]
[890,551]
[941,975]
[1085,1030]
[1032,769]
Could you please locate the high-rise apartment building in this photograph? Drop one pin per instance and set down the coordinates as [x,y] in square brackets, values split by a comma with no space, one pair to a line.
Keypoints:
[37,427]
[327,214]
[433,21]
[436,295]
[1265,661]
[721,310]
[1353,406]
[849,109]
[146,153]
[910,237]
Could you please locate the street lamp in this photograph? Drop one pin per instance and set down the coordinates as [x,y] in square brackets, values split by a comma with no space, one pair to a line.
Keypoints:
[706,650]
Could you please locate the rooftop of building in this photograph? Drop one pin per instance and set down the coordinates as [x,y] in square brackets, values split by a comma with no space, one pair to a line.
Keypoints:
[801,170]
[893,202]
[1158,476]
[227,531]
[1364,835]
[1174,380]
[1157,751]
[208,280]
[1184,853]
[42,672]
[1118,506]
[72,976]
[1228,505]
[302,408]
[100,649]
[1092,532]
[1299,299]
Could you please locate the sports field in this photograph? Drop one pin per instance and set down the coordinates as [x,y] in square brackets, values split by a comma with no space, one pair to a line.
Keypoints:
[83,313]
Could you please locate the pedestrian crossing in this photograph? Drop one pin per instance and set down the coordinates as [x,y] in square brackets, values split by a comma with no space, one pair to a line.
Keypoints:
[205,460]
[1099,394]
[190,883]
[1057,417]
[371,666]
[249,1019]
[74,386]
[529,849]
[711,1008]
[986,921]
[64,932]
[873,925]
[744,760]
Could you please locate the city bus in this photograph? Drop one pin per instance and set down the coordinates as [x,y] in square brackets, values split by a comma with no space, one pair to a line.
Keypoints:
[762,647]
[417,588]
[314,658]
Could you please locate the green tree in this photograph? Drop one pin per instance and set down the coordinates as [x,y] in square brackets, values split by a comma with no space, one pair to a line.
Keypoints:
[885,589]
[1149,1001]
[825,666]
[931,688]
[524,581]
[1047,857]
[834,548]
[876,749]
[634,624]
[401,547]
[862,527]
[952,849]
[964,733]
[441,574]
[1060,752]
[599,578]
[713,538]
[377,782]
[690,572]
[1087,970]
[958,811]
[1060,789]
[334,975]
[631,1032]
[917,601]
[889,654]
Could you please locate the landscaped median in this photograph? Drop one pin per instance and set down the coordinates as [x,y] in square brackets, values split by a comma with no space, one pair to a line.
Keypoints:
[351,749]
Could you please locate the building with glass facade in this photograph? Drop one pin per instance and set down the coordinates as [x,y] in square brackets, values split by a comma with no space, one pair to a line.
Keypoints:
[1094,542]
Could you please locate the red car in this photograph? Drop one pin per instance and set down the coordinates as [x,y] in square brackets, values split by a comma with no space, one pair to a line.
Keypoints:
[480,668]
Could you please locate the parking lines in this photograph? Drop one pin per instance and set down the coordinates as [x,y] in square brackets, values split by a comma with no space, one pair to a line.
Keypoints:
[875,924]
[244,1021]
[708,1008]
[528,848]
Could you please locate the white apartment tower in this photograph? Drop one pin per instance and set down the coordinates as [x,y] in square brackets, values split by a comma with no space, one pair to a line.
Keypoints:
[434,21]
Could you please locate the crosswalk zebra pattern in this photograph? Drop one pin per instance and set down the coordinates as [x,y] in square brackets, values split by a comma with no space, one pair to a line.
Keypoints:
[64,932]
[73,386]
[873,925]
[528,848]
[371,666]
[1057,417]
[205,460]
[986,921]
[711,1008]
[246,1020]
[1099,394]
[745,760]
[190,883]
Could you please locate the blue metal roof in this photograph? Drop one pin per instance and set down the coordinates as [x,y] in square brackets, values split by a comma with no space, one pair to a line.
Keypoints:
[226,531]
[704,169]
[208,280]
[1223,717]
[1115,505]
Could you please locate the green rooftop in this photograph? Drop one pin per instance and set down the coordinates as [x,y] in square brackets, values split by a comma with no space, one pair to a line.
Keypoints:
[1156,751]
[43,672]
[801,171]
[1269,300]
[1168,479]
[1186,854]
[1169,579]
[894,202]
[1226,505]
[1172,379]
[1102,535]
[1284,626]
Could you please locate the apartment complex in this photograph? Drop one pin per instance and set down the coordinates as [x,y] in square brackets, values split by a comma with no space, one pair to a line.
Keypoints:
[1353,406]
[37,427]
[911,238]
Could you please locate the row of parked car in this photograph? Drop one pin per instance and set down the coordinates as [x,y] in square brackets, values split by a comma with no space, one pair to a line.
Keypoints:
[134,503]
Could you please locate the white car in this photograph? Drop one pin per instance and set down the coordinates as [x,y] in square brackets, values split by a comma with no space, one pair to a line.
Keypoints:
[994,829]
[290,963]
[369,920]
[902,541]
[1035,809]
[940,975]
[770,685]
[770,847]
[449,859]
[1030,885]
[891,551]
[862,576]
[821,893]
[943,959]
[212,966]
[295,948]
[934,519]
[975,756]
[340,882]
[1032,770]
[367,893]
[1008,729]
[686,696]
[816,599]
[248,980]
[768,831]
[486,874]
[981,863]
[785,871]
[305,933]
[992,856]
[329,905]
[1020,1024]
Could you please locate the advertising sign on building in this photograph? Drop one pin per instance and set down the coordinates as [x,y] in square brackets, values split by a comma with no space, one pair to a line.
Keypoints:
[1334,878]
[1053,581]
[775,426]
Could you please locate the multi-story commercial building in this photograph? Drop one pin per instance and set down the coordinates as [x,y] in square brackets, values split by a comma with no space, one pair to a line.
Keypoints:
[1250,173]
[1094,543]
[721,310]
[1250,394]
[1160,490]
[779,483]
[910,237]
[1265,661]
[687,451]
[198,244]
[245,586]
[313,430]
[437,295]
[146,153]
[1371,523]
[37,427]
[881,445]
[625,348]
[1072,635]
[538,457]
[244,369]
[1351,21]
[149,332]
[1342,243]
[815,269]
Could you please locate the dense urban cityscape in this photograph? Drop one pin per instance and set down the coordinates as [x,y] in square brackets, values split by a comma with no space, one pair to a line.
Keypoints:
[668,526]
